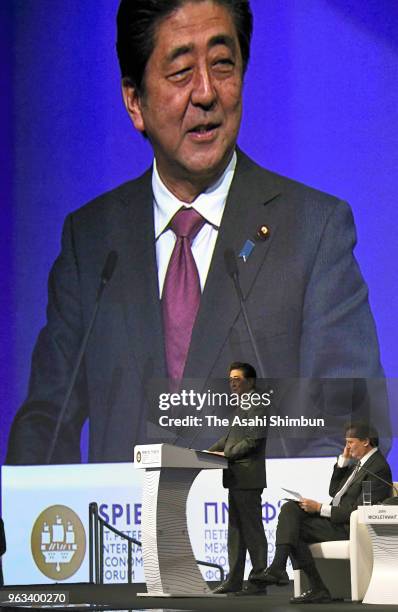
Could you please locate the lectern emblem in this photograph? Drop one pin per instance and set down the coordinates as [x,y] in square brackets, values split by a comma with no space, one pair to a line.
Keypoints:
[58,542]
[138,457]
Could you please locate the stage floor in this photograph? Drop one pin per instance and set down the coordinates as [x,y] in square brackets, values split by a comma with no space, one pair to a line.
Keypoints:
[124,597]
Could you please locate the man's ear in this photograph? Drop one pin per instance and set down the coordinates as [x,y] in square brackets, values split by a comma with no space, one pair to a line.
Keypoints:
[251,382]
[132,103]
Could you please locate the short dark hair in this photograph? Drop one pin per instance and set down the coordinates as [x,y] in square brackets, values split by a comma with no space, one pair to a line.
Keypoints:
[137,21]
[246,368]
[362,430]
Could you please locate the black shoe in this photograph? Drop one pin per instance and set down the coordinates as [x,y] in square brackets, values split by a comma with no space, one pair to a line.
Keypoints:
[273,576]
[312,596]
[253,588]
[226,587]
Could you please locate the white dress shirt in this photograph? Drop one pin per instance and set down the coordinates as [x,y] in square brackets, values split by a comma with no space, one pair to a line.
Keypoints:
[326,509]
[210,204]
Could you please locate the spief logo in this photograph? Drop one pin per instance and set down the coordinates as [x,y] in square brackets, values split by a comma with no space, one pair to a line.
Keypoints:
[58,542]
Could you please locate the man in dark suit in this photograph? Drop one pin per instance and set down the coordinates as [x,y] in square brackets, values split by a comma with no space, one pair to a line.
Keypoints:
[245,479]
[183,65]
[308,521]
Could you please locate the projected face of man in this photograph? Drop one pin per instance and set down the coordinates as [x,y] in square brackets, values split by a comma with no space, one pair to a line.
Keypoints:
[192,101]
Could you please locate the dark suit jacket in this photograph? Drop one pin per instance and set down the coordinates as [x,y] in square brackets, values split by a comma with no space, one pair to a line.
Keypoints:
[352,498]
[244,447]
[304,292]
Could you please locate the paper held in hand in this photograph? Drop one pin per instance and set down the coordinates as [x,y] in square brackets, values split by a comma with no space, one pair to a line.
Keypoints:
[296,496]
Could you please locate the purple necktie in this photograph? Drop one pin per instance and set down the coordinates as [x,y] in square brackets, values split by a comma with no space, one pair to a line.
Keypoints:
[181,291]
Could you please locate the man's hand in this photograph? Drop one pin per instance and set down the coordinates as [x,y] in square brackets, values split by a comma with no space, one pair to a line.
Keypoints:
[310,505]
[346,452]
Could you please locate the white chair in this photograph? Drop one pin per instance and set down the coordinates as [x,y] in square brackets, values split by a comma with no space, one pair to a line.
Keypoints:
[345,566]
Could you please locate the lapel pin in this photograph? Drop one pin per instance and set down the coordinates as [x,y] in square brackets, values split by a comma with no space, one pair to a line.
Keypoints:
[246,250]
[263,232]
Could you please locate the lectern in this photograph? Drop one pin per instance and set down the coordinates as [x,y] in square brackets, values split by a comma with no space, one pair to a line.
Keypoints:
[382,522]
[169,564]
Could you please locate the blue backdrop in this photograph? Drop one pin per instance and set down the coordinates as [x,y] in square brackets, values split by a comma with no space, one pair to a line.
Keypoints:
[320,106]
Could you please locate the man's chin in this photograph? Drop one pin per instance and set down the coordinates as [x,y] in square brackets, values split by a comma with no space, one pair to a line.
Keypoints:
[206,167]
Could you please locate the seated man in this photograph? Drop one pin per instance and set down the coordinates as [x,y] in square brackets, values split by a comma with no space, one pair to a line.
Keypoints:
[308,521]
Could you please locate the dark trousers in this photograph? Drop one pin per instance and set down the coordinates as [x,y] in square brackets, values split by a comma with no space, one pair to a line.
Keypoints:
[299,528]
[245,533]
